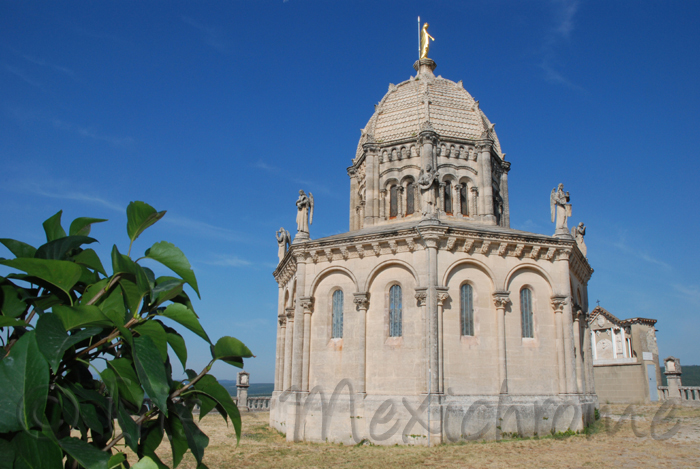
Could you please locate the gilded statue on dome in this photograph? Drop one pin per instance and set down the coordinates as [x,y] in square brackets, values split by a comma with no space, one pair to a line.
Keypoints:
[425,39]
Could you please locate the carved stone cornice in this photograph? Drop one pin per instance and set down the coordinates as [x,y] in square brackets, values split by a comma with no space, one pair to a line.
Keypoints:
[361,301]
[307,303]
[558,303]
[501,299]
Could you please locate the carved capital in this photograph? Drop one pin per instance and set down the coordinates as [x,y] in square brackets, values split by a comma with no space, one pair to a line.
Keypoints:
[558,303]
[361,301]
[282,319]
[290,313]
[442,296]
[421,297]
[564,254]
[307,303]
[501,299]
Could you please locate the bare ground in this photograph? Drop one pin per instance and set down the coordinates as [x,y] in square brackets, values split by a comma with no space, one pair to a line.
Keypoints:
[619,439]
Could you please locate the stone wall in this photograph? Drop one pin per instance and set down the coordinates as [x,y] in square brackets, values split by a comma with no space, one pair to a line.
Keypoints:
[621,383]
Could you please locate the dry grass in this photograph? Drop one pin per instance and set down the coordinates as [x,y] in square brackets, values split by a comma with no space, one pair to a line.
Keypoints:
[263,447]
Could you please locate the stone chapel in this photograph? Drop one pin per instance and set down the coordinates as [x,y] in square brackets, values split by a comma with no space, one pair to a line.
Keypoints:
[431,319]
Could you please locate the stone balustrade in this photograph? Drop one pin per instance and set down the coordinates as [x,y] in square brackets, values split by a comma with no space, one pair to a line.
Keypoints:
[686,394]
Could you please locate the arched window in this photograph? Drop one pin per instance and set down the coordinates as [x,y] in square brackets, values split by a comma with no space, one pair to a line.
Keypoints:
[337,314]
[395,310]
[526,312]
[410,198]
[463,200]
[393,201]
[448,197]
[466,305]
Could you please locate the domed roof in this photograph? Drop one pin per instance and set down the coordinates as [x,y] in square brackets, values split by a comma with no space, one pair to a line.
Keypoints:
[452,112]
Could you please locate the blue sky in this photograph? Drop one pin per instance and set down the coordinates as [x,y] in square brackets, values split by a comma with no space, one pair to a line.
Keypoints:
[219,112]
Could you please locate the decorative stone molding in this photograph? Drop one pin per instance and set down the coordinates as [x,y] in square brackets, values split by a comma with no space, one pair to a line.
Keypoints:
[558,303]
[290,313]
[282,319]
[360,251]
[329,254]
[307,302]
[344,251]
[361,301]
[314,256]
[518,250]
[468,244]
[411,243]
[564,254]
[550,254]
[450,243]
[377,249]
[535,253]
[421,297]
[501,299]
[502,249]
[393,245]
[485,247]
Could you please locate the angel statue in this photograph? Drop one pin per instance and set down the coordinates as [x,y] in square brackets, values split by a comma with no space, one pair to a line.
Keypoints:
[305,212]
[425,41]
[284,239]
[561,209]
[578,232]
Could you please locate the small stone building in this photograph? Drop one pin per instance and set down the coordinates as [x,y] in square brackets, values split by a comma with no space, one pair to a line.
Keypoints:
[625,358]
[431,312]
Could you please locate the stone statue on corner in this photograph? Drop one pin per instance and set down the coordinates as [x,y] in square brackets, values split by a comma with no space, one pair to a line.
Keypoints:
[426,178]
[305,212]
[578,232]
[283,241]
[561,210]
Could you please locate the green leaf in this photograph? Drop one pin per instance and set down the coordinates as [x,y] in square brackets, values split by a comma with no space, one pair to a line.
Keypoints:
[196,440]
[109,377]
[185,316]
[89,258]
[166,288]
[132,295]
[53,340]
[87,455]
[145,463]
[151,436]
[177,343]
[224,404]
[155,331]
[53,227]
[12,305]
[151,371]
[7,455]
[33,450]
[128,382]
[117,460]
[59,249]
[123,264]
[173,258]
[62,274]
[92,290]
[81,226]
[113,306]
[88,414]
[129,427]
[18,248]
[177,437]
[140,216]
[77,316]
[24,381]
[12,322]
[231,350]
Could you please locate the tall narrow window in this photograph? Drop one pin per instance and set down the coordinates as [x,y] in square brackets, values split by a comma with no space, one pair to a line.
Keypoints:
[467,309]
[448,197]
[393,202]
[526,312]
[410,198]
[463,200]
[395,310]
[337,314]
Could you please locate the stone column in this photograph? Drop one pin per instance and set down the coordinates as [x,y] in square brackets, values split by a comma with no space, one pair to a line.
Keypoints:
[442,296]
[422,300]
[502,300]
[486,199]
[288,349]
[307,304]
[354,202]
[558,306]
[441,199]
[382,205]
[579,358]
[473,211]
[400,201]
[504,192]
[279,361]
[298,346]
[361,305]
[457,200]
[431,244]
[624,342]
[372,181]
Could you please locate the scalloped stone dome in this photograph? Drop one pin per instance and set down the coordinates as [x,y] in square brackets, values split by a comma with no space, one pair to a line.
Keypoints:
[452,112]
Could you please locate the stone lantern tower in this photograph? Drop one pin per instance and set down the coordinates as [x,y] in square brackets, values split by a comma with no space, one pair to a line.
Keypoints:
[672,370]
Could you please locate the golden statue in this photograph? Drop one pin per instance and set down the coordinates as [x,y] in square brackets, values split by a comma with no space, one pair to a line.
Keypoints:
[425,38]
